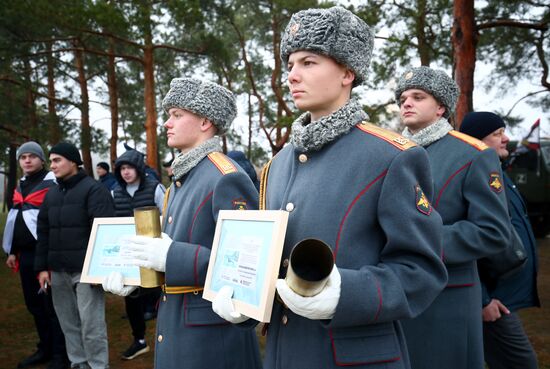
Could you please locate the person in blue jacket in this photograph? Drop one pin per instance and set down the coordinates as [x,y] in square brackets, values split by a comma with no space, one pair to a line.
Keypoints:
[505,342]
[244,163]
[364,191]
[105,176]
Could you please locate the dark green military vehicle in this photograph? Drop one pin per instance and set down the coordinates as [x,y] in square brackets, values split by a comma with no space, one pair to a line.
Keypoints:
[530,171]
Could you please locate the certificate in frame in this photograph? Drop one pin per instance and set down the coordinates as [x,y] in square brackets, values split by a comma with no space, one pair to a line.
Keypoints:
[246,255]
[105,252]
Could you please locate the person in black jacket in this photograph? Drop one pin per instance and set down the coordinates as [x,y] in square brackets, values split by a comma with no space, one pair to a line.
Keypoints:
[506,345]
[134,189]
[64,225]
[19,243]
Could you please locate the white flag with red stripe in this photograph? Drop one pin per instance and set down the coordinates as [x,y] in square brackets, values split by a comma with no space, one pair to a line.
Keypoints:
[532,140]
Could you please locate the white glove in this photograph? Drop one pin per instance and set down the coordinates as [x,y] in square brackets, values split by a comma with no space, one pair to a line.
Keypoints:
[114,283]
[223,306]
[149,252]
[320,306]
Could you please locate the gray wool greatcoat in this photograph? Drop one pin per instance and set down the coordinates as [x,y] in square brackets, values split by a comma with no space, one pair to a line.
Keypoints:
[361,195]
[469,196]
[189,334]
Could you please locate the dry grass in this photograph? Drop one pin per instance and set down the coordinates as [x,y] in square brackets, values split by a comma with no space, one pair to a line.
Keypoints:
[18,337]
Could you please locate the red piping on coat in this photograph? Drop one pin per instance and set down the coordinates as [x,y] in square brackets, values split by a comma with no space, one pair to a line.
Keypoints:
[196,214]
[441,193]
[449,181]
[348,211]
[379,301]
[459,285]
[195,264]
[357,362]
[337,245]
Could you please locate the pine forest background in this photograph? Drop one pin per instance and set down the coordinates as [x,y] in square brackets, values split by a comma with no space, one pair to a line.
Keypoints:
[61,59]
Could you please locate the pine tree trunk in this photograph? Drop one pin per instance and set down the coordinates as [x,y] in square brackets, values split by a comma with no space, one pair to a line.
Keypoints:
[53,122]
[12,175]
[85,135]
[464,38]
[150,110]
[113,102]
[29,101]
[281,133]
[423,44]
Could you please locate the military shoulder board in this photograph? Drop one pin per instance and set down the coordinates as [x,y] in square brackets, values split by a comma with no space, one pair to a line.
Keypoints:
[393,138]
[472,141]
[224,165]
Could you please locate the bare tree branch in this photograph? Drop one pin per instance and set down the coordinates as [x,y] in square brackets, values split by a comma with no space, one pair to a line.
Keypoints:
[250,76]
[87,50]
[138,45]
[180,49]
[540,26]
[398,40]
[15,132]
[112,35]
[16,82]
[523,98]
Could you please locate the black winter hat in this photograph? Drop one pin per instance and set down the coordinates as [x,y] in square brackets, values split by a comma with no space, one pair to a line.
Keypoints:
[68,151]
[103,165]
[480,124]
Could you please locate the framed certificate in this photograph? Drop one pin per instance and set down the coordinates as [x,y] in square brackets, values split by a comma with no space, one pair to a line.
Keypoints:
[246,255]
[106,252]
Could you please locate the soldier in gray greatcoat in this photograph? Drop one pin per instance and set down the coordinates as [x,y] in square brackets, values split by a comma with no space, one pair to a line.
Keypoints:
[361,189]
[189,334]
[469,197]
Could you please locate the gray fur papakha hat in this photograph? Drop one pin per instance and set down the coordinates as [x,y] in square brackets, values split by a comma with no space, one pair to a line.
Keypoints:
[203,98]
[435,82]
[335,32]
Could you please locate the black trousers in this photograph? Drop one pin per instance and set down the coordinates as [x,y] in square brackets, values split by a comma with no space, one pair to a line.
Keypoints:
[136,306]
[506,345]
[134,310]
[51,339]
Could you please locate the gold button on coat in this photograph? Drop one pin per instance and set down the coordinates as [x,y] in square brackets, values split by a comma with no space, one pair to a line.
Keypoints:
[285,263]
[170,219]
[284,319]
[178,184]
[289,206]
[302,158]
[159,338]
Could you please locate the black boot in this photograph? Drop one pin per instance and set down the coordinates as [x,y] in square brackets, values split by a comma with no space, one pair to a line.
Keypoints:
[39,357]
[59,362]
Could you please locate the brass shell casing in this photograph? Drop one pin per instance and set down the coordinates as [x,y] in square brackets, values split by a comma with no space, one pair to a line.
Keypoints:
[147,221]
[310,264]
